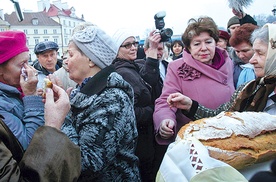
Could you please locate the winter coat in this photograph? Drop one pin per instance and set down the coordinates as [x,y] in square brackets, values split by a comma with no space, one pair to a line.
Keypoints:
[38,163]
[177,57]
[157,90]
[211,87]
[22,116]
[142,76]
[38,67]
[63,75]
[238,68]
[103,126]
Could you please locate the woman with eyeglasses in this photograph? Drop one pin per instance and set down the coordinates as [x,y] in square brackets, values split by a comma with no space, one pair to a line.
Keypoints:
[204,73]
[142,76]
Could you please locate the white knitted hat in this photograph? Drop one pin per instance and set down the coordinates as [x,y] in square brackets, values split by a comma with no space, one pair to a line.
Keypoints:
[121,35]
[96,45]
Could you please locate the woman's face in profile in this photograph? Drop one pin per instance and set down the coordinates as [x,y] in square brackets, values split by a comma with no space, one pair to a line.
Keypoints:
[259,57]
[77,63]
[202,48]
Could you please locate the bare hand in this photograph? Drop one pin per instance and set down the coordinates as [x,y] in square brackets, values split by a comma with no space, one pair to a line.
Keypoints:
[56,108]
[237,13]
[29,84]
[179,101]
[166,129]
[154,39]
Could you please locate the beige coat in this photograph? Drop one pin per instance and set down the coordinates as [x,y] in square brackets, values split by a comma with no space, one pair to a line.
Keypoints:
[51,156]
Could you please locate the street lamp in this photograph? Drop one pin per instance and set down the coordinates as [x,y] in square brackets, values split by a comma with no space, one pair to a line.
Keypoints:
[274,10]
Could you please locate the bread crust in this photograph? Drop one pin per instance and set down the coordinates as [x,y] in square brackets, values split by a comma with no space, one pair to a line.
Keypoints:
[238,139]
[47,84]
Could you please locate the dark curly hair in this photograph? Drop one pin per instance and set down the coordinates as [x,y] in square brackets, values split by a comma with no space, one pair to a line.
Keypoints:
[242,34]
[195,27]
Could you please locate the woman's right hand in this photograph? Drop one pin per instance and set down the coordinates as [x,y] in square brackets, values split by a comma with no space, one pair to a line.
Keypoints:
[179,101]
[29,83]
[166,129]
[57,106]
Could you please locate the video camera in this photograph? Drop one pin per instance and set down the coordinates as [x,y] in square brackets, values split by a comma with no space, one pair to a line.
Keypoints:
[166,33]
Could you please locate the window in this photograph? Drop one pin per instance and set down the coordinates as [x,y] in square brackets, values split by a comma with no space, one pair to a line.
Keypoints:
[45,39]
[56,41]
[35,31]
[25,31]
[36,41]
[35,21]
[55,31]
[64,22]
[45,31]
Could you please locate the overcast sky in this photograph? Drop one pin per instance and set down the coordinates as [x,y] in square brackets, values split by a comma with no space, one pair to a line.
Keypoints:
[138,15]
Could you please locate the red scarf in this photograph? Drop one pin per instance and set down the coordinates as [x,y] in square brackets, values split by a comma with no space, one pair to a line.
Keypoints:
[21,92]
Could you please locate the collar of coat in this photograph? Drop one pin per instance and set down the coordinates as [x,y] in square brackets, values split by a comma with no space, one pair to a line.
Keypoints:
[99,81]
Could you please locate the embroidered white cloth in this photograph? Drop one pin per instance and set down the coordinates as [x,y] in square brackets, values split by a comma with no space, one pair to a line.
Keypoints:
[189,161]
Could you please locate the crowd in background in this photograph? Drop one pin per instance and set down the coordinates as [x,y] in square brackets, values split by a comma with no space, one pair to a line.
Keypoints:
[127,102]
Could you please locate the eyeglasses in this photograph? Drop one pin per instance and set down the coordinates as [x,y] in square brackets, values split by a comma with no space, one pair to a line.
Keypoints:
[129,45]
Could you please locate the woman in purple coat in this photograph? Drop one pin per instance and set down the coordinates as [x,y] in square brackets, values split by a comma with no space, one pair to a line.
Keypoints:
[205,74]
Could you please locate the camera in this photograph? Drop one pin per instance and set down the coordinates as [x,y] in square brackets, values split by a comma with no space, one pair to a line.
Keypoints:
[166,33]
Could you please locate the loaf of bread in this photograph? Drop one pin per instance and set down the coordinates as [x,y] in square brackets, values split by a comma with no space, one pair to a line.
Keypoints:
[239,139]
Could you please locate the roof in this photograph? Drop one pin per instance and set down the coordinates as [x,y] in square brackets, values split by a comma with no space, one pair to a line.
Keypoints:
[56,11]
[43,19]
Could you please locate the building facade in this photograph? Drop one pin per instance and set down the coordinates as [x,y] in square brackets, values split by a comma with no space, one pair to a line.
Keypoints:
[53,22]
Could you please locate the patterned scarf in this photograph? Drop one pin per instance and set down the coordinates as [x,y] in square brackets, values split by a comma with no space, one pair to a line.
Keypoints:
[255,94]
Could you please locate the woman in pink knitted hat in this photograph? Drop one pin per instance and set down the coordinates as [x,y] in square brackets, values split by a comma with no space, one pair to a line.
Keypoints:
[22,108]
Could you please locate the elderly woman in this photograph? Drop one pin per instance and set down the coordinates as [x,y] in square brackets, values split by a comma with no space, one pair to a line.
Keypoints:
[257,95]
[102,114]
[143,76]
[223,41]
[20,105]
[204,73]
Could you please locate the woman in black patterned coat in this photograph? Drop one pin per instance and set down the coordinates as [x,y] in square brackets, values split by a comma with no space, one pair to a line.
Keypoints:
[102,120]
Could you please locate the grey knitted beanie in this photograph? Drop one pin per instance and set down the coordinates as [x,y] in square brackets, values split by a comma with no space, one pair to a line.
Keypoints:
[232,21]
[96,45]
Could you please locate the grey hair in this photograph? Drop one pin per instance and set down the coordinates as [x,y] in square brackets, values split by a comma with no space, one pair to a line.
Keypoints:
[261,34]
[146,43]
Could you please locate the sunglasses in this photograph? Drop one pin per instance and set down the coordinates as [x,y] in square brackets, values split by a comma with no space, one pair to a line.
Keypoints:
[129,45]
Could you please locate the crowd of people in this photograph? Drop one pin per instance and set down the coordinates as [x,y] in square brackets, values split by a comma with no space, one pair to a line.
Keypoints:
[111,115]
